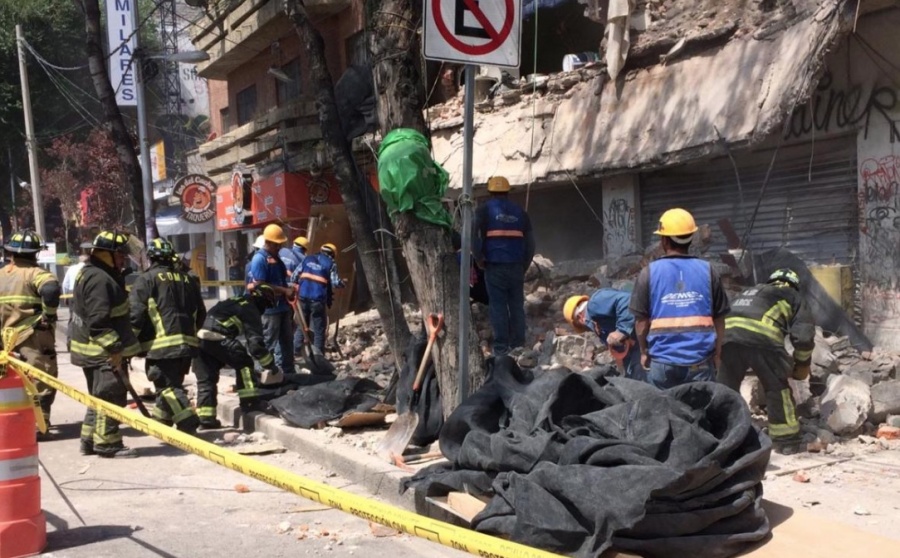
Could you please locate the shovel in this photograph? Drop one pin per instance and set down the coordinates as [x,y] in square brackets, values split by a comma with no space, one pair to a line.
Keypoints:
[117,372]
[400,432]
[317,361]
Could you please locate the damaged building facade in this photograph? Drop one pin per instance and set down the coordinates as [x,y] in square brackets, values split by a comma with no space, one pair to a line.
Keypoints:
[774,122]
[265,152]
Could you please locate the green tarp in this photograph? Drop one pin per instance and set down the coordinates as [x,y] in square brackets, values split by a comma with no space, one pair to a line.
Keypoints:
[409,178]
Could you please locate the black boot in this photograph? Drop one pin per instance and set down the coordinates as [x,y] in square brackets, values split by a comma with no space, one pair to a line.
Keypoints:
[210,424]
[87,447]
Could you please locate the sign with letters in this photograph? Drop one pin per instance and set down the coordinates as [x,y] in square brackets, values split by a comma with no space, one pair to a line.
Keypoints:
[484,32]
[122,43]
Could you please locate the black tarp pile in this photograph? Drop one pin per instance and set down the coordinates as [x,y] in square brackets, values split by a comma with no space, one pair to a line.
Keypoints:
[579,463]
[311,405]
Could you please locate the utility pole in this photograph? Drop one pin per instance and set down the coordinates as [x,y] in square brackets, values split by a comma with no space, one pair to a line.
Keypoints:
[13,221]
[465,202]
[143,141]
[29,139]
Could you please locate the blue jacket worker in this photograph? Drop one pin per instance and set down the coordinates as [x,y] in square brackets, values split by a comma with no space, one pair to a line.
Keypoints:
[318,279]
[504,248]
[606,313]
[680,308]
[266,268]
[301,246]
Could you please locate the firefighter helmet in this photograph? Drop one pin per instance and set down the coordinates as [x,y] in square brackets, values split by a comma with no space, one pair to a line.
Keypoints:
[161,250]
[785,275]
[112,241]
[263,296]
[569,309]
[25,242]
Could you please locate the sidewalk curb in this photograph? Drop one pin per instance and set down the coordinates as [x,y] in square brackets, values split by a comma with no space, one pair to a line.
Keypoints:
[379,478]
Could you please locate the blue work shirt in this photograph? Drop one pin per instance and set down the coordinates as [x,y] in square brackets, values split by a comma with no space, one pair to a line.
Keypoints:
[267,268]
[607,311]
[289,259]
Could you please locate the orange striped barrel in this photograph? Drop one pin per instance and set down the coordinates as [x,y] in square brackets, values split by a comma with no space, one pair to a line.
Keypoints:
[23,528]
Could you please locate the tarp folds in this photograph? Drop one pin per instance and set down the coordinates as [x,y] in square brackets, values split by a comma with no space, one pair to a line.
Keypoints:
[581,463]
[314,404]
[431,417]
[409,178]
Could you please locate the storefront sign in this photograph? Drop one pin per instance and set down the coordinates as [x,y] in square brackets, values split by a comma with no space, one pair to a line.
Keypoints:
[197,195]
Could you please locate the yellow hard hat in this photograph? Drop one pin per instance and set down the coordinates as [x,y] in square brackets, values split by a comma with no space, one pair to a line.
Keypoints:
[302,242]
[274,233]
[330,247]
[498,184]
[676,222]
[569,308]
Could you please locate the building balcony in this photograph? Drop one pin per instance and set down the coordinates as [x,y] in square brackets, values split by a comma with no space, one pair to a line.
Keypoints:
[280,130]
[233,32]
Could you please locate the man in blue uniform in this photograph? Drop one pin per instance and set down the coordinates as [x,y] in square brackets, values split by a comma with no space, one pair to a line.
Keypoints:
[266,268]
[318,279]
[606,313]
[504,248]
[680,308]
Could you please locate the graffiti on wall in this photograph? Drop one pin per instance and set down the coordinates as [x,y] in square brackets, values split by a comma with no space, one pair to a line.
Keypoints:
[832,109]
[879,203]
[618,227]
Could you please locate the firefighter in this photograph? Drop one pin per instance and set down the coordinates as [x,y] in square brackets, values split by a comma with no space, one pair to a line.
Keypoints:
[102,338]
[504,248]
[318,279]
[29,298]
[219,347]
[606,313]
[760,319]
[679,306]
[166,312]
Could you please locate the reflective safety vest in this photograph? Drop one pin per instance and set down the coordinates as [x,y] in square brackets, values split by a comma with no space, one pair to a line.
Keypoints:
[682,332]
[237,316]
[504,232]
[764,315]
[315,277]
[21,303]
[166,312]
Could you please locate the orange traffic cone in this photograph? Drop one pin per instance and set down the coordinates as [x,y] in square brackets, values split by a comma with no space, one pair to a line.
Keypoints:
[23,528]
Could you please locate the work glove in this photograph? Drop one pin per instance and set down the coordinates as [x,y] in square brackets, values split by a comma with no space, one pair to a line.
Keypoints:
[115,359]
[616,339]
[801,371]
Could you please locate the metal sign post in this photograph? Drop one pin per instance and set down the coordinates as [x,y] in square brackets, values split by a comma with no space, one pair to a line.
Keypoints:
[472,32]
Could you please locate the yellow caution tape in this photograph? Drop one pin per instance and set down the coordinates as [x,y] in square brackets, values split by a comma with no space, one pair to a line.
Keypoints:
[9,336]
[370,510]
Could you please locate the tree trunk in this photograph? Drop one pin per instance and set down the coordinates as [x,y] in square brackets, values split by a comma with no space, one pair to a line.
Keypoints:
[395,48]
[350,178]
[111,113]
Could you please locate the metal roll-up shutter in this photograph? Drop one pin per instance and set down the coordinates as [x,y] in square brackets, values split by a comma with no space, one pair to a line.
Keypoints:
[809,205]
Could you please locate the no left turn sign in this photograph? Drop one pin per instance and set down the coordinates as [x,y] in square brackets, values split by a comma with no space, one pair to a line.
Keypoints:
[473,31]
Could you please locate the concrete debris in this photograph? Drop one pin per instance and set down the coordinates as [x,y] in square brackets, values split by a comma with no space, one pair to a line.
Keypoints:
[283,527]
[753,393]
[885,400]
[845,404]
[888,432]
[801,476]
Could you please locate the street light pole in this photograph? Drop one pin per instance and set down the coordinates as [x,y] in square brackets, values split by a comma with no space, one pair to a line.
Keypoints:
[146,175]
[29,139]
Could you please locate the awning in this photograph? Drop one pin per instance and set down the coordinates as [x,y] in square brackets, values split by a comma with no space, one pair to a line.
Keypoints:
[736,94]
[169,222]
[278,198]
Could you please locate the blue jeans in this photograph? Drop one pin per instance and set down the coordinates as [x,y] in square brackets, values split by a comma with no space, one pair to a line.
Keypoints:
[666,376]
[316,315]
[633,367]
[278,335]
[506,303]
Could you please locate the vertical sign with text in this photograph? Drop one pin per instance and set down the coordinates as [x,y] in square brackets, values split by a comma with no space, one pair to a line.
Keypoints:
[122,43]
[473,31]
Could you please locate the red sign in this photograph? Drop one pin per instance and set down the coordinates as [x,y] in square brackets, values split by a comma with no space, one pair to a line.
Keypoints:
[277,198]
[196,193]
[497,37]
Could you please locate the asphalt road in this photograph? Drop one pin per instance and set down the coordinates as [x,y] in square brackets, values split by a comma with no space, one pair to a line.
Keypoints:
[171,504]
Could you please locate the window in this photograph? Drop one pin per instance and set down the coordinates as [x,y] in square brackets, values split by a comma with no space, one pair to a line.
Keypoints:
[224,120]
[357,49]
[246,105]
[287,91]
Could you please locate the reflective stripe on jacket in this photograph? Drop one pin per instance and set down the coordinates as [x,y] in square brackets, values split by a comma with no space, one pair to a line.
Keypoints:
[315,278]
[100,321]
[27,292]
[504,232]
[165,313]
[764,315]
[238,316]
[682,331]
